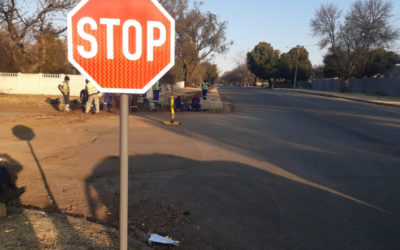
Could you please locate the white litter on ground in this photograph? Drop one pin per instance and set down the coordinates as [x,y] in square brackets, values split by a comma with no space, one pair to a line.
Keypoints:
[155,238]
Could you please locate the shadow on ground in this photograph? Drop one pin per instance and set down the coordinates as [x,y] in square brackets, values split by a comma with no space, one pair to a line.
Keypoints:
[6,241]
[57,103]
[228,205]
[29,229]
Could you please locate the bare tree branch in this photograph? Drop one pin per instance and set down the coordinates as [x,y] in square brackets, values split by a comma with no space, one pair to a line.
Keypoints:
[326,25]
[366,27]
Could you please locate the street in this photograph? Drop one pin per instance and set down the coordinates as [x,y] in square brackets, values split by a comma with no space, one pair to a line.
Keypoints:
[179,124]
[285,170]
[298,172]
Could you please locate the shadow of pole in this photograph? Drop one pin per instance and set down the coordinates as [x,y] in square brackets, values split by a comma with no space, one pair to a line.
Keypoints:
[54,205]
[26,134]
[67,235]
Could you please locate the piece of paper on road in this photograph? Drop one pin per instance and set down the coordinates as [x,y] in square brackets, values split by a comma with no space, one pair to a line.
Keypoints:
[163,240]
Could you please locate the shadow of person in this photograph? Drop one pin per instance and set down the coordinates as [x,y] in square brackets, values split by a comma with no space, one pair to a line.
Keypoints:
[9,192]
[54,103]
[9,241]
[12,166]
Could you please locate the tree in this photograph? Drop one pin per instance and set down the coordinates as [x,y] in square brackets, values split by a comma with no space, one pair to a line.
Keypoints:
[262,61]
[331,62]
[317,72]
[6,64]
[286,65]
[240,58]
[379,62]
[53,57]
[22,26]
[209,72]
[241,75]
[326,25]
[199,35]
[299,56]
[365,28]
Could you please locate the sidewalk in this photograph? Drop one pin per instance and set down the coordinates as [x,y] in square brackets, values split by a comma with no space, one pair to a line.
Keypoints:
[213,102]
[367,98]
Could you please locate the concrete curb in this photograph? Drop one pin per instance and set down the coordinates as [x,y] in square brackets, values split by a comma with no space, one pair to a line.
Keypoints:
[349,98]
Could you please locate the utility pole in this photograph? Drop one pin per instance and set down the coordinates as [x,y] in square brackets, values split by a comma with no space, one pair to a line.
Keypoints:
[297,64]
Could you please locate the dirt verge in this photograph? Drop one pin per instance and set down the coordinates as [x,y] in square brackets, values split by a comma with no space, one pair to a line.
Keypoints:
[31,229]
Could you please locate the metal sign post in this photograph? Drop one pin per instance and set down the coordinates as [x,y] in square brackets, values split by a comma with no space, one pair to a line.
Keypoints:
[100,41]
[124,163]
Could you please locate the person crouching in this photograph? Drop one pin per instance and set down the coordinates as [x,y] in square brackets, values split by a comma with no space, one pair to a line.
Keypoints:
[108,102]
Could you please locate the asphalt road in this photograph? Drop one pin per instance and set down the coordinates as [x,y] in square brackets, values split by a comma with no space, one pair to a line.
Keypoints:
[296,171]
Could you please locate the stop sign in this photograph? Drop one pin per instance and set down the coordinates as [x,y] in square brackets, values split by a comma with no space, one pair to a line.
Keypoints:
[122,46]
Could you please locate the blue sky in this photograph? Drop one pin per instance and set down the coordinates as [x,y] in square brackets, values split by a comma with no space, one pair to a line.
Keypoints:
[282,23]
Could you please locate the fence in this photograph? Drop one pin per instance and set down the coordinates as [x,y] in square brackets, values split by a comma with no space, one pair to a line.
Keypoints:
[328,85]
[290,85]
[379,86]
[38,84]
[46,84]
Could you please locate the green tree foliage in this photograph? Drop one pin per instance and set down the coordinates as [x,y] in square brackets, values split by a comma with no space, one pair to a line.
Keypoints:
[266,63]
[300,55]
[286,65]
[378,61]
[331,62]
[262,61]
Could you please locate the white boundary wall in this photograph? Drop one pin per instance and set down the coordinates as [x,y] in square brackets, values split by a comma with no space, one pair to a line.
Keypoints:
[46,84]
[38,84]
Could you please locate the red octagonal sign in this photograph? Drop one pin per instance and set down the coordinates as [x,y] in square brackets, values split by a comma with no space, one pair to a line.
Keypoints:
[122,46]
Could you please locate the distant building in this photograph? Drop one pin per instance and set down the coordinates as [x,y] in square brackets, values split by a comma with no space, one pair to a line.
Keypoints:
[393,72]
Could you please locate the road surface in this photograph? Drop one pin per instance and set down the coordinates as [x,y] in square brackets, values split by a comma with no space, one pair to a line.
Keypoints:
[284,171]
[299,172]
